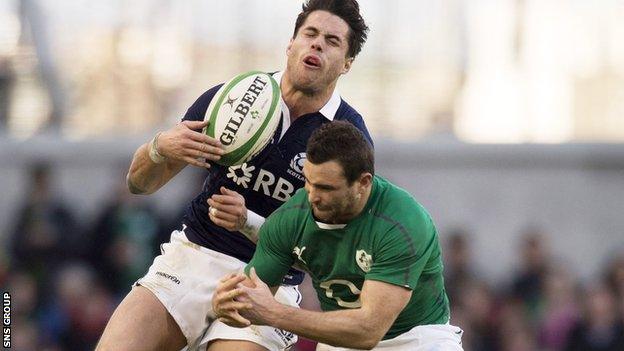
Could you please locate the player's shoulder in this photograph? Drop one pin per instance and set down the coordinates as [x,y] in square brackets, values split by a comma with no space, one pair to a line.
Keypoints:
[198,109]
[347,113]
[397,206]
[395,196]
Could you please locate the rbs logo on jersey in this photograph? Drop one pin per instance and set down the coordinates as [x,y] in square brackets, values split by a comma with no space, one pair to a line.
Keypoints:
[266,182]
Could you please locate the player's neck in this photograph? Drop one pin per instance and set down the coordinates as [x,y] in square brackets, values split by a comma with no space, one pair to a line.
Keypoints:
[361,203]
[301,102]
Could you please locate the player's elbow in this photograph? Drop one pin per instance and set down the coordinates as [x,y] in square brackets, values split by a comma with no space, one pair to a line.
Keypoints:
[133,188]
[370,336]
[365,342]
[368,345]
[359,342]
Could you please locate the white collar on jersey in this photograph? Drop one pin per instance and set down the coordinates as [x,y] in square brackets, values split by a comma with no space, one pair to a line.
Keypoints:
[328,226]
[330,108]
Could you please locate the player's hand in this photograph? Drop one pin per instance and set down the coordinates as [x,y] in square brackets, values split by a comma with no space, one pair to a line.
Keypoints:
[228,210]
[260,300]
[224,304]
[184,143]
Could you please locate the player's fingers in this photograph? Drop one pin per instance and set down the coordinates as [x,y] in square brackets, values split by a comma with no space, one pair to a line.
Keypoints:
[194,153]
[196,162]
[195,125]
[223,297]
[227,277]
[231,283]
[236,321]
[220,208]
[229,225]
[226,284]
[239,319]
[232,305]
[226,199]
[207,151]
[230,294]
[225,216]
[205,139]
[230,322]
[226,191]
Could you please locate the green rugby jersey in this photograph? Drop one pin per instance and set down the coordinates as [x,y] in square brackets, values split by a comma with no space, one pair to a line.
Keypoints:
[393,240]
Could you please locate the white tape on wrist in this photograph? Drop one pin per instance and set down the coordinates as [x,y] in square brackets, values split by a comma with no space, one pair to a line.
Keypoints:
[252,226]
[154,155]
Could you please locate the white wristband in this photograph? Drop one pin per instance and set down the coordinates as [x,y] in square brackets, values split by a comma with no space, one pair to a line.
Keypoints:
[252,226]
[154,155]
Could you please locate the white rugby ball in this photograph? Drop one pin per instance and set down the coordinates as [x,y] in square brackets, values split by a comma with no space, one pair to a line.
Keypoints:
[243,115]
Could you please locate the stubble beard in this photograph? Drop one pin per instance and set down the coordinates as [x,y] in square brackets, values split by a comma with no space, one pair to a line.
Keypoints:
[340,212]
[307,82]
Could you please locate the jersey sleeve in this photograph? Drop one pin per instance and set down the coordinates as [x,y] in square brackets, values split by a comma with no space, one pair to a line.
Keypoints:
[272,259]
[404,252]
[198,109]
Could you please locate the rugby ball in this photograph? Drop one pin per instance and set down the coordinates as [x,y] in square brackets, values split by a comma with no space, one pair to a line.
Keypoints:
[243,116]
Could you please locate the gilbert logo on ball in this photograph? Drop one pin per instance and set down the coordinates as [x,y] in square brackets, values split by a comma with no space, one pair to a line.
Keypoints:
[243,116]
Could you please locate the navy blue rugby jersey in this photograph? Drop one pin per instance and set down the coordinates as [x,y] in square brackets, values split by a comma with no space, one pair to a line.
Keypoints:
[266,181]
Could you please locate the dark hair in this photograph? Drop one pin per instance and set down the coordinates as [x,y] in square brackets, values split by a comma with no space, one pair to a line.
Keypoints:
[348,10]
[342,142]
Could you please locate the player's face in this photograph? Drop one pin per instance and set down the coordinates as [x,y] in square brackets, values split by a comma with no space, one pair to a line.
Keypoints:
[317,55]
[331,197]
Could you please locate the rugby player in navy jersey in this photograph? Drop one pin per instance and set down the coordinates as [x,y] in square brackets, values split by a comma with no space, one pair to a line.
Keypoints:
[170,307]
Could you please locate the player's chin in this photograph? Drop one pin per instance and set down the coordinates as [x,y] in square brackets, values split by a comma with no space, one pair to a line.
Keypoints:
[323,216]
[310,73]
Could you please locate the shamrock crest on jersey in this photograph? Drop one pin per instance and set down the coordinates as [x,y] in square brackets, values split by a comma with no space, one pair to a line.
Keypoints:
[364,260]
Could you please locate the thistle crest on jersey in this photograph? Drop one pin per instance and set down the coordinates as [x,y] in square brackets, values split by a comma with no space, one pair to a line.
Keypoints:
[364,260]
[297,162]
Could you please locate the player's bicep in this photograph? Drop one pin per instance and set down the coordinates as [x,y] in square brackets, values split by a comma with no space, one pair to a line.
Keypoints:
[383,302]
[404,253]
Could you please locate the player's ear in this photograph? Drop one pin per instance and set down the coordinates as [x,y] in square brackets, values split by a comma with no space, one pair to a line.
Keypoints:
[289,46]
[366,179]
[347,65]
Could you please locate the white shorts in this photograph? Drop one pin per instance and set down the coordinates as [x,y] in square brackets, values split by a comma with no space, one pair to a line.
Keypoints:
[185,276]
[434,337]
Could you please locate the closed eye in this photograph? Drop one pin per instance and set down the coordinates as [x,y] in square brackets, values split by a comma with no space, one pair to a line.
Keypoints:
[310,32]
[333,40]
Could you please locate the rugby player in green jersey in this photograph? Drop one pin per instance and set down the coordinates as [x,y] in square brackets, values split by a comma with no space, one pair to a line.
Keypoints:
[371,250]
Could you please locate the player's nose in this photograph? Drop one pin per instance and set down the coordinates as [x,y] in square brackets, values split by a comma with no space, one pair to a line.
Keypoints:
[312,197]
[317,43]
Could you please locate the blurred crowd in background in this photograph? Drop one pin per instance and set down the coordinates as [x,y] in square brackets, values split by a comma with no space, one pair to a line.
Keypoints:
[67,274]
[504,71]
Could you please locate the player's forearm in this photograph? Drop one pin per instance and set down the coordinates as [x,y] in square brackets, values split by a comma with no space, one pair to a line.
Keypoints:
[145,176]
[344,328]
